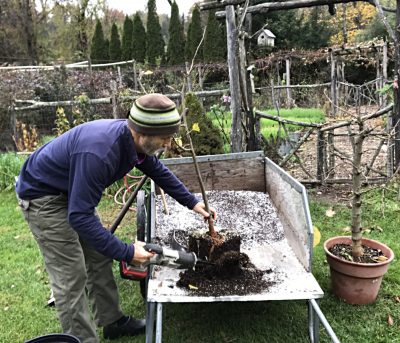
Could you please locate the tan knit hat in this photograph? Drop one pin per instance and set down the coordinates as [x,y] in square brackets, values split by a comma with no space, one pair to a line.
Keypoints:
[154,114]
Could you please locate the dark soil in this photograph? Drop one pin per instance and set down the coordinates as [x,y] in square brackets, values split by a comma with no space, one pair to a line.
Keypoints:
[231,273]
[343,251]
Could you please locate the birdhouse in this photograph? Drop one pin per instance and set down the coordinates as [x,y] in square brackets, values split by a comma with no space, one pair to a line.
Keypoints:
[266,38]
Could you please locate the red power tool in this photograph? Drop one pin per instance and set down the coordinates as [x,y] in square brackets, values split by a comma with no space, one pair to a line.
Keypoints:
[163,257]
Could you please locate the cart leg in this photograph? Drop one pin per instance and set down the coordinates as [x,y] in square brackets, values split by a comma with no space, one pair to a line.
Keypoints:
[313,324]
[318,315]
[159,323]
[150,321]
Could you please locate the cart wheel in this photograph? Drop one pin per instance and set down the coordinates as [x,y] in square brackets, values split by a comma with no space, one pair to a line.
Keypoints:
[141,232]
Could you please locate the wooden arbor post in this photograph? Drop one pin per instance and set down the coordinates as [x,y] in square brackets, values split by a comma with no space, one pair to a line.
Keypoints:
[333,84]
[396,109]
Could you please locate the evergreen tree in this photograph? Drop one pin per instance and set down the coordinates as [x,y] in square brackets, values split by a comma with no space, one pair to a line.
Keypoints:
[285,25]
[127,37]
[115,44]
[106,50]
[176,43]
[194,36]
[155,42]
[139,39]
[214,48]
[98,52]
[315,35]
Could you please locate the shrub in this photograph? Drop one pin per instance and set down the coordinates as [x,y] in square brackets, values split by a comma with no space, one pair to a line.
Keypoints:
[10,165]
[208,139]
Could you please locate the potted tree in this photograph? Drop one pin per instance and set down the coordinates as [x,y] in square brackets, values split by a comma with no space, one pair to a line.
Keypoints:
[357,264]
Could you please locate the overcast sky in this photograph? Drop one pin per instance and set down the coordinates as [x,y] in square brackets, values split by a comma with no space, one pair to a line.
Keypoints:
[163,7]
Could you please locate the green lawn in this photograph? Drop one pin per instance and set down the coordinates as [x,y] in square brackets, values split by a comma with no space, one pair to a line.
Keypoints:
[222,119]
[24,288]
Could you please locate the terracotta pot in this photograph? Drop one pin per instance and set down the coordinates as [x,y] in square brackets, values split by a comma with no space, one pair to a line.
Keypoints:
[356,283]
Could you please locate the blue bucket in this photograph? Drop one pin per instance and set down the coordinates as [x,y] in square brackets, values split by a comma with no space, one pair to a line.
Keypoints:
[55,338]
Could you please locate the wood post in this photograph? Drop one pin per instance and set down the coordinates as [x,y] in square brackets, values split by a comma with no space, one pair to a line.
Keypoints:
[135,81]
[390,145]
[13,122]
[333,85]
[188,77]
[384,70]
[396,109]
[289,101]
[273,93]
[331,153]
[378,82]
[119,76]
[114,103]
[233,65]
[320,156]
[201,79]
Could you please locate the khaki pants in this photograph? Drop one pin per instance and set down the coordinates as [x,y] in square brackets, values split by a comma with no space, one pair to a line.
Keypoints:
[78,274]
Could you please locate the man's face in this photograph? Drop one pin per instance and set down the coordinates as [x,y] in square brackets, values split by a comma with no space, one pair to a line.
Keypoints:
[151,145]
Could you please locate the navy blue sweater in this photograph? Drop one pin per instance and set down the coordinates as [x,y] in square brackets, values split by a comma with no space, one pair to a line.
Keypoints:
[81,163]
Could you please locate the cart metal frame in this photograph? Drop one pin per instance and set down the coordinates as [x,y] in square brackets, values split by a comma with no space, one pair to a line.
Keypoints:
[242,171]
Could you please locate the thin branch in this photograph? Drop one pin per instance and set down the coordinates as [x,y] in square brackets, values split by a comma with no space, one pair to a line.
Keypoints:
[203,191]
[296,147]
[197,50]
[385,21]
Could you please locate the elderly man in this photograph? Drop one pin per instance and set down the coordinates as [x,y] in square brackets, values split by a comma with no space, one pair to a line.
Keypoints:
[60,186]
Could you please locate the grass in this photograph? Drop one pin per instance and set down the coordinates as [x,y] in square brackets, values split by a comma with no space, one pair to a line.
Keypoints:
[25,290]
[222,119]
[307,115]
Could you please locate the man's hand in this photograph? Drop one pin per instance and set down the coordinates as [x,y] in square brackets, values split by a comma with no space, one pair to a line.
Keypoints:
[200,208]
[140,255]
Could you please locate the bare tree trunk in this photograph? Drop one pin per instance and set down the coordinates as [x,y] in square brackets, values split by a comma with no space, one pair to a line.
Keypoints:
[27,22]
[356,234]
[344,24]
[81,24]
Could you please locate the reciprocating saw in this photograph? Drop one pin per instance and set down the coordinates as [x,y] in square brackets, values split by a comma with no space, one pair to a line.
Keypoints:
[162,257]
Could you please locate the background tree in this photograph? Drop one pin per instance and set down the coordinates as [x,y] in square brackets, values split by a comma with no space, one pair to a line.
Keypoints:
[376,29]
[81,22]
[316,30]
[127,37]
[176,43]
[214,48]
[27,9]
[285,25]
[354,18]
[155,42]
[139,39]
[207,138]
[11,44]
[194,35]
[98,51]
[115,44]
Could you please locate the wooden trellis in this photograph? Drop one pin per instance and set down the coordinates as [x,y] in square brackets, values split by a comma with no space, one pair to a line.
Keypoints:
[327,151]
[239,85]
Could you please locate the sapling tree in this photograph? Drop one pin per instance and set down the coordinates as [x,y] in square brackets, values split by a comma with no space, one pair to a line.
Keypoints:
[203,191]
[356,229]
[357,139]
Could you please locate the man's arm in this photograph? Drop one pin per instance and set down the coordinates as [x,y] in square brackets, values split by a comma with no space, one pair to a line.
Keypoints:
[88,179]
[165,179]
